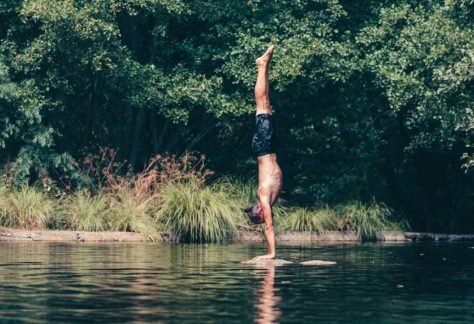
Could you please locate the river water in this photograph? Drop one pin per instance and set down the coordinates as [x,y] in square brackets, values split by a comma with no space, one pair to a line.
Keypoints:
[173,283]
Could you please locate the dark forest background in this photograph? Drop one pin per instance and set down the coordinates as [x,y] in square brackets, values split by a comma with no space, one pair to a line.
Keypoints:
[373,100]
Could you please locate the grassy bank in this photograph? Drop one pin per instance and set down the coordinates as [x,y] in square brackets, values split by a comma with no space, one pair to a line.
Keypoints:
[192,213]
[175,196]
[368,220]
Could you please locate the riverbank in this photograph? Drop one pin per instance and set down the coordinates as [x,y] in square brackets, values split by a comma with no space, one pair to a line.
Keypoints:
[182,203]
[20,235]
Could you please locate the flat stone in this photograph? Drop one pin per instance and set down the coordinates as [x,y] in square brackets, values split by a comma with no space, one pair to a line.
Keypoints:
[268,262]
[318,263]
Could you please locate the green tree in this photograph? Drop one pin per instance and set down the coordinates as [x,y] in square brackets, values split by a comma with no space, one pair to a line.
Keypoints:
[373,99]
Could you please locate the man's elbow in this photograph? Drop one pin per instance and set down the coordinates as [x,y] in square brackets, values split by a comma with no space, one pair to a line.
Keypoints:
[269,228]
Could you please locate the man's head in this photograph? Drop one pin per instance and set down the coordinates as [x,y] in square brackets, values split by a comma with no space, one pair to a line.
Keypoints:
[255,214]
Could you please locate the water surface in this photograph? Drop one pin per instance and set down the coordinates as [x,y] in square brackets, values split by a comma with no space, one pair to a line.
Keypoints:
[188,283]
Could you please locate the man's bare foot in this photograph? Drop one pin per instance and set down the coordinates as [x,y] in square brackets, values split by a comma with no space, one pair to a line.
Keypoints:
[266,57]
[264,257]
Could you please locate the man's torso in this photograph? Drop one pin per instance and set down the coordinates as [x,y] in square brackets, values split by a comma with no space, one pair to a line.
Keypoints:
[269,178]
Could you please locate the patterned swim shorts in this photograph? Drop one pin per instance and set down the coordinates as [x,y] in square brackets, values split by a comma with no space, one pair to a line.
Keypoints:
[263,141]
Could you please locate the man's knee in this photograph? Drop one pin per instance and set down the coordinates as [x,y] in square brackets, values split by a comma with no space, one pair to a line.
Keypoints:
[260,94]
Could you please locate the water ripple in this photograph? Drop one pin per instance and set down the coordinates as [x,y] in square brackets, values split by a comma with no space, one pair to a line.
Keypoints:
[42,283]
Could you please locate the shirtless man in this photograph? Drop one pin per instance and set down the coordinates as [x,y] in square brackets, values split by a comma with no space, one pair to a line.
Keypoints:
[263,145]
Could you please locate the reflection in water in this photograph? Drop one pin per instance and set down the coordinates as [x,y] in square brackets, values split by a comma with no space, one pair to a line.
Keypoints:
[267,310]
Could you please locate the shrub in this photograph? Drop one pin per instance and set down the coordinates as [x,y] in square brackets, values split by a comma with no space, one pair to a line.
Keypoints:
[84,212]
[132,212]
[5,219]
[198,214]
[367,220]
[26,208]
[306,220]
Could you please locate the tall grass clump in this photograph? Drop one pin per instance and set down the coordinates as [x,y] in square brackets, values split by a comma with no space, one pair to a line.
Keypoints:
[83,212]
[4,204]
[367,220]
[131,211]
[307,220]
[197,214]
[26,208]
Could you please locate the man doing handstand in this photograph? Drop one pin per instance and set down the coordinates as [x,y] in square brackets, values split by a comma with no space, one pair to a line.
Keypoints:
[263,145]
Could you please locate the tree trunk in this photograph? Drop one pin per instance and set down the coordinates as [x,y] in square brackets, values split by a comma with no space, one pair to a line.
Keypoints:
[137,138]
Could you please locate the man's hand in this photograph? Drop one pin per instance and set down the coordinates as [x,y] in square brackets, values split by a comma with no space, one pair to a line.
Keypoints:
[264,257]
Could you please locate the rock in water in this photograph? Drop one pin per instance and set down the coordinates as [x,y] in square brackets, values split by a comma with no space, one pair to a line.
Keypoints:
[318,263]
[268,262]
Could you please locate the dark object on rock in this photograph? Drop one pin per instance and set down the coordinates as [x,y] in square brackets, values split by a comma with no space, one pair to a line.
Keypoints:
[253,212]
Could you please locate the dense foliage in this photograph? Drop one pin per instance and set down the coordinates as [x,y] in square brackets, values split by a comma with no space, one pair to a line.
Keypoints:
[373,99]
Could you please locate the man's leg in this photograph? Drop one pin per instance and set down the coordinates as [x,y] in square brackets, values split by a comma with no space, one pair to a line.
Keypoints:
[261,86]
[263,107]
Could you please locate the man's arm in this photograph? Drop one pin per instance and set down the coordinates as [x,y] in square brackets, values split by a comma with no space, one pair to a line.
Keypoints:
[269,231]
